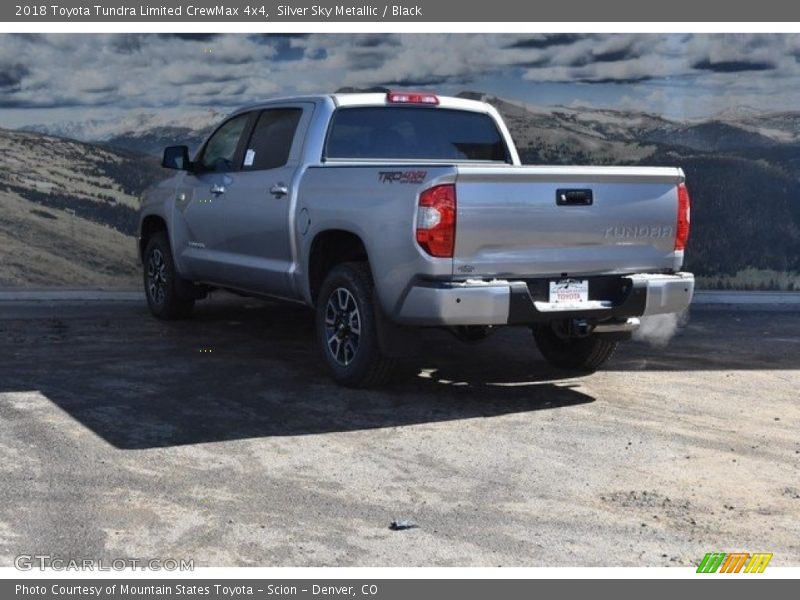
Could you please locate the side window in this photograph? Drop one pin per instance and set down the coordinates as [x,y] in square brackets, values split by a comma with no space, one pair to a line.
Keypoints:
[220,151]
[271,141]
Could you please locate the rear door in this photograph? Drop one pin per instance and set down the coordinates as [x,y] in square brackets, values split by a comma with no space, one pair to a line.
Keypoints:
[260,201]
[551,221]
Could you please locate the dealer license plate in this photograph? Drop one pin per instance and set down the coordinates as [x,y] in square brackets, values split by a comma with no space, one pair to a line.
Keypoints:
[569,291]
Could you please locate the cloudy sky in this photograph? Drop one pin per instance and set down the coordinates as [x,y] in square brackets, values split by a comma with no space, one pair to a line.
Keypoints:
[47,78]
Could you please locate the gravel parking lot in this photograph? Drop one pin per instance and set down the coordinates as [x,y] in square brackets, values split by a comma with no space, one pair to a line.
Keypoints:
[220,439]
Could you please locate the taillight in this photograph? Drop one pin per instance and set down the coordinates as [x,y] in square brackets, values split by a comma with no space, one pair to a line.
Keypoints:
[412,98]
[436,220]
[684,217]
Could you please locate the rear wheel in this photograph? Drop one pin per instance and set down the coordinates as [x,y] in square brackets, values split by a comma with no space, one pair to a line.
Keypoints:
[347,330]
[574,353]
[168,295]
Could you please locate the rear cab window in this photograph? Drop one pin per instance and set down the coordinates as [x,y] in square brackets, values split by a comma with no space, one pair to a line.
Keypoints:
[271,141]
[414,133]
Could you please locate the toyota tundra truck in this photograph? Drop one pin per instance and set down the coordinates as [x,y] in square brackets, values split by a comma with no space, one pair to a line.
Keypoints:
[388,212]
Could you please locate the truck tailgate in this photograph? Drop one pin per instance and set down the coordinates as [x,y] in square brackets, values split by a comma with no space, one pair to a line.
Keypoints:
[550,221]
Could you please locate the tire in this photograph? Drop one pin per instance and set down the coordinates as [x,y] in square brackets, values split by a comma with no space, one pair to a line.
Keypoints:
[168,295]
[347,331]
[584,354]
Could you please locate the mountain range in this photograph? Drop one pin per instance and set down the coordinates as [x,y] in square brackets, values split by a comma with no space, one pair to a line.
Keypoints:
[742,167]
[146,132]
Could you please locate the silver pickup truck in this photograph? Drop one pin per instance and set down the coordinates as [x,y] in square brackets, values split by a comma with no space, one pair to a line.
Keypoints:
[389,212]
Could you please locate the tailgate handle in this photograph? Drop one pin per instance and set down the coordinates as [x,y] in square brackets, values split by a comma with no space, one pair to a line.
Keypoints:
[565,197]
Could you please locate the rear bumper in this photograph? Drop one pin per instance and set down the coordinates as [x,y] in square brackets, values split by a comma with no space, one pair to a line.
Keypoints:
[500,302]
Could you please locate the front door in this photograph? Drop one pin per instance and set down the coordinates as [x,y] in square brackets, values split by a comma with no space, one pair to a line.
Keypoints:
[200,235]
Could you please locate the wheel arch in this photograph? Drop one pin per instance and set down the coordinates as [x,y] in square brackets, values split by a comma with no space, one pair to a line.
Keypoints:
[150,224]
[328,249]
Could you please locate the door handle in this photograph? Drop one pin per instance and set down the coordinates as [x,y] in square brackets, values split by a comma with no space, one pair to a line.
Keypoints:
[217,189]
[279,189]
[573,197]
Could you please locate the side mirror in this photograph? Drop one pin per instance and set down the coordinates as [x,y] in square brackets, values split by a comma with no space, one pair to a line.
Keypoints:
[176,157]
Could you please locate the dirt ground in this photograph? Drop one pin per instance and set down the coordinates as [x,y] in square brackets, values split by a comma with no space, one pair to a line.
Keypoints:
[221,439]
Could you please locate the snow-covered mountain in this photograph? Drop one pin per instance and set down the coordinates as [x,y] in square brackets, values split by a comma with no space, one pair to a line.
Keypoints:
[141,131]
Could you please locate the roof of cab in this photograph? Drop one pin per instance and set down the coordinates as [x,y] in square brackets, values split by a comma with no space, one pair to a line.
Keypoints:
[363,99]
[379,99]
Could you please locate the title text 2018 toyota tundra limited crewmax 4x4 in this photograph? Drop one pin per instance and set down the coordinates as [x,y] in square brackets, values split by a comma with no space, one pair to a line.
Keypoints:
[387,212]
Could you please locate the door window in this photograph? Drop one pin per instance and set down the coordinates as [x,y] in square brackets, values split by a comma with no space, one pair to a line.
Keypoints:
[219,153]
[271,140]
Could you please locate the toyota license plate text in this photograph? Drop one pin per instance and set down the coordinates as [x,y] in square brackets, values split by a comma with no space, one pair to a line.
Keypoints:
[569,291]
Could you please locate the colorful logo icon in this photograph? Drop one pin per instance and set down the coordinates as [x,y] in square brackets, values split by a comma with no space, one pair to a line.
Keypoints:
[734,562]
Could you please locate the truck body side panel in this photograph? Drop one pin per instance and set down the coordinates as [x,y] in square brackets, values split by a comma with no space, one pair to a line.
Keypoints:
[382,213]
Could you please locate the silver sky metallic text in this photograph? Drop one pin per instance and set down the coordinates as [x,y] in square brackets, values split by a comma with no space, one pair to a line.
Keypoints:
[341,10]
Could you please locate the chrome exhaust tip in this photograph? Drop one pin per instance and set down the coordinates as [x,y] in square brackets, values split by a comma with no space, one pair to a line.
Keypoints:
[618,326]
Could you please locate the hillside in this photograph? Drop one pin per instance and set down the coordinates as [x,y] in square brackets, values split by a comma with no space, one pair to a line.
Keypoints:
[743,171]
[745,212]
[742,166]
[68,211]
[42,247]
[561,135]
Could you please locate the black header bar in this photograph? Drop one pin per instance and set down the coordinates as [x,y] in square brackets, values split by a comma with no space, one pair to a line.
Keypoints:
[462,11]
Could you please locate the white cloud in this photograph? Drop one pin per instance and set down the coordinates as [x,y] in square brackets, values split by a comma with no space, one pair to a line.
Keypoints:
[123,71]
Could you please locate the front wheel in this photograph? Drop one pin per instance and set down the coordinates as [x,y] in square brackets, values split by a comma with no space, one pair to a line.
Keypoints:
[574,353]
[347,330]
[166,292]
